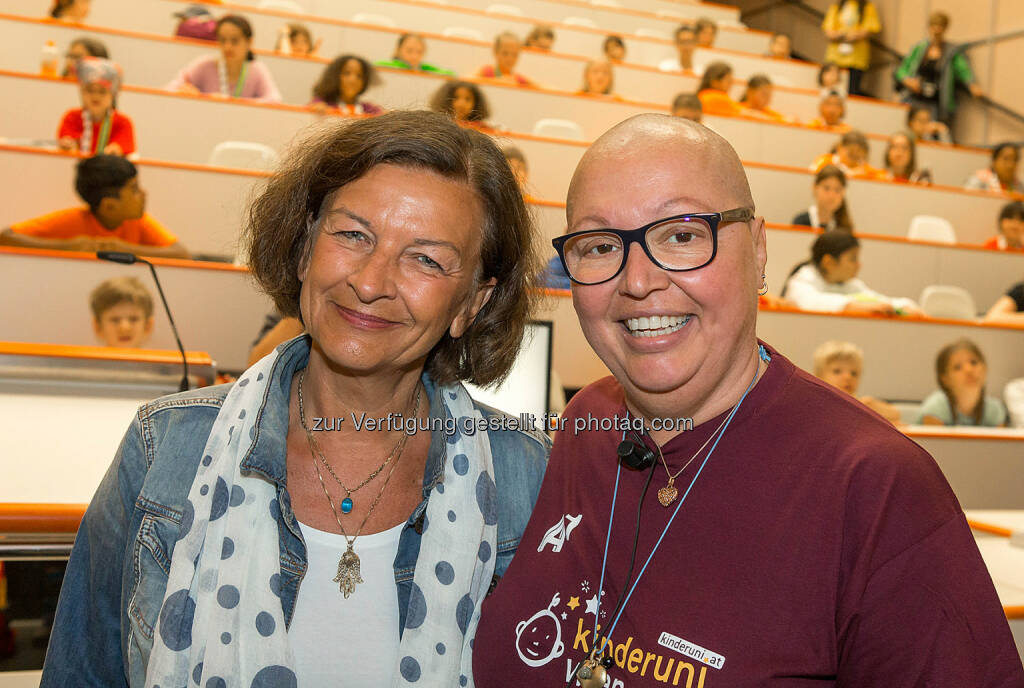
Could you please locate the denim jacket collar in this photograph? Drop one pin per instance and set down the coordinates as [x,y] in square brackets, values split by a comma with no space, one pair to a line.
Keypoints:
[268,451]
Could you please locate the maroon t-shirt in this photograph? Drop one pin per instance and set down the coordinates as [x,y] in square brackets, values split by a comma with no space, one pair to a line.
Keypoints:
[819,546]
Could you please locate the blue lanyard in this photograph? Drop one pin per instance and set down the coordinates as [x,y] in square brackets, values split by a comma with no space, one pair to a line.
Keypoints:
[762,356]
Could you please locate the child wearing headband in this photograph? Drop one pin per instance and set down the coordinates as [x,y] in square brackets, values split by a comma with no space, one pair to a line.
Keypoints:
[97,126]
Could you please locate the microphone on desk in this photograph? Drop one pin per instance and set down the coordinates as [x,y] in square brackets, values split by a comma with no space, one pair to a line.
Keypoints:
[131,259]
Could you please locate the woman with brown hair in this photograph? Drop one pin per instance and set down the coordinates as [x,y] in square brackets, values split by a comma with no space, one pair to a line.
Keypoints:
[341,85]
[342,509]
[829,210]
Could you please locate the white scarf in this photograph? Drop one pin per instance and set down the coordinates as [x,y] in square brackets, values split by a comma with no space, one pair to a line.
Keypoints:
[221,616]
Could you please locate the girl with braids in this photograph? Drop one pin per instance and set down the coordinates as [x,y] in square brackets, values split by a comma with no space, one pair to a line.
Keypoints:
[960,400]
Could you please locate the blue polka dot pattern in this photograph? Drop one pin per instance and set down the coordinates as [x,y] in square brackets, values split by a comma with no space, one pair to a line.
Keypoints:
[463,680]
[204,490]
[241,415]
[252,432]
[440,648]
[485,551]
[410,669]
[216,682]
[461,464]
[237,495]
[265,624]
[275,584]
[440,488]
[207,460]
[227,596]
[188,515]
[464,612]
[197,673]
[244,381]
[176,620]
[444,572]
[219,502]
[225,637]
[275,676]
[485,491]
[275,510]
[208,580]
[451,516]
[417,608]
[456,432]
[259,377]
[227,548]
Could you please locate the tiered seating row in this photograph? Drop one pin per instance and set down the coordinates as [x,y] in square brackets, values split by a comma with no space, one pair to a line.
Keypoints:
[296,76]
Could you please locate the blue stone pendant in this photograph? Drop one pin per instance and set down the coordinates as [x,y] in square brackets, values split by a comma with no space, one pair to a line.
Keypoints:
[346,505]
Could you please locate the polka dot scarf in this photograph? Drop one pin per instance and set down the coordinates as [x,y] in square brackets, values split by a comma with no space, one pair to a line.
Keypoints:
[221,624]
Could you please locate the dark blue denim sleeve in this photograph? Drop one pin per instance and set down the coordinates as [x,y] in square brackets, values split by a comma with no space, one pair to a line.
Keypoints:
[86,643]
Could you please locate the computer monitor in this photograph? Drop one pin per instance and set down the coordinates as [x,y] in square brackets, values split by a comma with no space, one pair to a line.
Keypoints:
[527,388]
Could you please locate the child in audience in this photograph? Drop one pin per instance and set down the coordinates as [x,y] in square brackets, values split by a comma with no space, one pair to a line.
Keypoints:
[517,161]
[686,42]
[758,97]
[901,160]
[714,91]
[829,211]
[97,126]
[1009,308]
[781,47]
[82,46]
[114,220]
[923,127]
[541,37]
[296,40]
[1001,175]
[122,312]
[830,80]
[342,83]
[705,29]
[409,54]
[688,105]
[840,365]
[506,54]
[1011,229]
[234,73]
[598,79]
[463,102]
[828,281]
[71,11]
[614,49]
[960,400]
[831,111]
[851,157]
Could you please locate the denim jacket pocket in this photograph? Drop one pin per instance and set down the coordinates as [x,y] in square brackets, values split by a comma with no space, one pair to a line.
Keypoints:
[151,565]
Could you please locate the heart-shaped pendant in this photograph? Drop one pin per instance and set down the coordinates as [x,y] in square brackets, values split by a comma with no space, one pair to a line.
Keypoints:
[591,674]
[667,494]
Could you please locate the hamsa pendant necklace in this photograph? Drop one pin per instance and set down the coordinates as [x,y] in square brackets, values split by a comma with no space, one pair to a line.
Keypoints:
[349,574]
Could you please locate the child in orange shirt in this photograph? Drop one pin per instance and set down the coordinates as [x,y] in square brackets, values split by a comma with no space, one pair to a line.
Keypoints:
[714,91]
[851,157]
[758,97]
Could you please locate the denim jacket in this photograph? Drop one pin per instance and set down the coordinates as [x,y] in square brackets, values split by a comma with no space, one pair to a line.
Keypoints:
[117,575]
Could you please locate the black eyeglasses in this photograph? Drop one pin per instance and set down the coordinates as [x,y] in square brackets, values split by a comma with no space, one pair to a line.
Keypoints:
[678,243]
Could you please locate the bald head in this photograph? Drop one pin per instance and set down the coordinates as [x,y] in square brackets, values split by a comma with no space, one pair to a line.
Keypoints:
[705,154]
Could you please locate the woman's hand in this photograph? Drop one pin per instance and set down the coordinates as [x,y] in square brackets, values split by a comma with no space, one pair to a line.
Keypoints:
[189,89]
[875,308]
[66,143]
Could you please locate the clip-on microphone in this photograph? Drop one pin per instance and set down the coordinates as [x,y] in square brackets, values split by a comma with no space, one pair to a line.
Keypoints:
[634,454]
[131,259]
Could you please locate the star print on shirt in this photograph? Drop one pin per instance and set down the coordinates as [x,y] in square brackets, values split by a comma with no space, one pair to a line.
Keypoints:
[573,603]
[592,606]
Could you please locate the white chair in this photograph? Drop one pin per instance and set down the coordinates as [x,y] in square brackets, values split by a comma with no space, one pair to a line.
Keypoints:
[580,21]
[463,32]
[650,33]
[504,9]
[931,228]
[558,129]
[247,155]
[375,19]
[284,5]
[943,301]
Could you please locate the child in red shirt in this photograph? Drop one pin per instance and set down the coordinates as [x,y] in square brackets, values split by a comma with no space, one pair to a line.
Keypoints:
[97,126]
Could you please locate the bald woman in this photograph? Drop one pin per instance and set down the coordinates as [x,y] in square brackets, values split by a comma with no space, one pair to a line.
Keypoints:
[712,516]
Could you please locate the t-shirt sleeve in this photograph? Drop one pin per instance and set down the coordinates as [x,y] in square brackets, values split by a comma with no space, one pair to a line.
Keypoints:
[935,405]
[155,234]
[60,224]
[124,135]
[1017,294]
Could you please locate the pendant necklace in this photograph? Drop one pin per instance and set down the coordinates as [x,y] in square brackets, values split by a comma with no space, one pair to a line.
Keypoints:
[668,494]
[349,574]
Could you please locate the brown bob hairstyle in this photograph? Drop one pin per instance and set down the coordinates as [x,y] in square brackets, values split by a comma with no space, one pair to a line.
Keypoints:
[284,220]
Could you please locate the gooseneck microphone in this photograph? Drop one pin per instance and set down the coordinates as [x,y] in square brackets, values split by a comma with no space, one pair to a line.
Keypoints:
[131,259]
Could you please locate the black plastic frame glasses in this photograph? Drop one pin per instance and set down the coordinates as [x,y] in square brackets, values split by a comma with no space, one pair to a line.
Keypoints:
[639,236]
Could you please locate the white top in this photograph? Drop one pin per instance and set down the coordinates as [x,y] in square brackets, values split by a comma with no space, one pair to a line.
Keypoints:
[351,642]
[809,291]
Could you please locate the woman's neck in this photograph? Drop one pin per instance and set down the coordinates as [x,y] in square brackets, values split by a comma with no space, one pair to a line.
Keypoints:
[825,215]
[233,68]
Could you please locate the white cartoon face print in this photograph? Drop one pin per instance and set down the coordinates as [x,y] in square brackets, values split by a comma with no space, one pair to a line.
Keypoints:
[539,639]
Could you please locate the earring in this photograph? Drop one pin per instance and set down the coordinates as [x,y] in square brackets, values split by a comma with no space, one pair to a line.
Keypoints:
[764,285]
